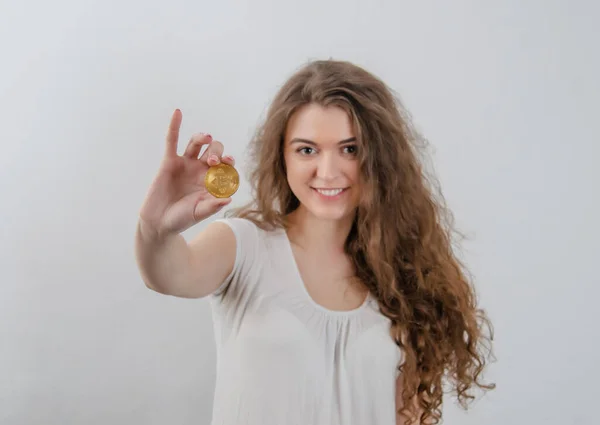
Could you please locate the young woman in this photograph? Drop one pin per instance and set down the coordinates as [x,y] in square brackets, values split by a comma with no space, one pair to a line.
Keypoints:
[336,295]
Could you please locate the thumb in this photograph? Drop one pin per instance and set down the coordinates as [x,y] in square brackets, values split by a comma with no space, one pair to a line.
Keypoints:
[221,202]
[209,207]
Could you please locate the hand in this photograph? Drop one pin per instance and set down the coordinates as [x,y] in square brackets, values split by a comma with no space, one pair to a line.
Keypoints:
[177,198]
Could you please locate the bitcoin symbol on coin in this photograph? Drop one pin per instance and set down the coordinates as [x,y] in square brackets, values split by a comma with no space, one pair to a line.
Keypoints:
[222,180]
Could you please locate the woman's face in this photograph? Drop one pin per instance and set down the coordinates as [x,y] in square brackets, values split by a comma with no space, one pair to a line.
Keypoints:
[320,152]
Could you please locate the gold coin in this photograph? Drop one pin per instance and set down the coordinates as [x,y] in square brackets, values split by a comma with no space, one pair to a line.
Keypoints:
[222,180]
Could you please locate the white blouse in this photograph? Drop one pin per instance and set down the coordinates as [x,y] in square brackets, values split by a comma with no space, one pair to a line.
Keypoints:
[283,359]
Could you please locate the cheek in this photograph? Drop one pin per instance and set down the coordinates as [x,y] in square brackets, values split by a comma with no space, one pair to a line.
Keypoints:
[353,172]
[297,172]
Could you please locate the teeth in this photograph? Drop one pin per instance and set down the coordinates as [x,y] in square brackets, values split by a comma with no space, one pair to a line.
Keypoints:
[329,192]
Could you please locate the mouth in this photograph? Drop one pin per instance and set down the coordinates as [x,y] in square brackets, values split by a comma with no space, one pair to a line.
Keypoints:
[330,192]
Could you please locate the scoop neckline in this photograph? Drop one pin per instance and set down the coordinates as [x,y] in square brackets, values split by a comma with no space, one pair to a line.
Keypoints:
[310,299]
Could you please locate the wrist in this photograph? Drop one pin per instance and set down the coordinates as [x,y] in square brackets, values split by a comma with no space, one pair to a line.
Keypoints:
[149,233]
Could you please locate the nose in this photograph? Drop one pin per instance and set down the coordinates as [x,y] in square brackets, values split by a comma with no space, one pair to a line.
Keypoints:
[327,167]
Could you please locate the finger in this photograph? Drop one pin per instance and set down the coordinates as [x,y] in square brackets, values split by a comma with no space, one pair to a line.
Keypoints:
[173,133]
[228,159]
[212,155]
[195,144]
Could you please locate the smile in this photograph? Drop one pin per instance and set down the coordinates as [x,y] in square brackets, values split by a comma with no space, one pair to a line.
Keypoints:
[329,192]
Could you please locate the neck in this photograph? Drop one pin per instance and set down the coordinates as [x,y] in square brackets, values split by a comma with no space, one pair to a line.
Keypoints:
[319,236]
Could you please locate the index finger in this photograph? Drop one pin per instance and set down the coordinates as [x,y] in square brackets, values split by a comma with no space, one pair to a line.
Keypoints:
[173,133]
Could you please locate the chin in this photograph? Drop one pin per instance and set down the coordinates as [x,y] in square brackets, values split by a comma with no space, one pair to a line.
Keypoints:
[329,215]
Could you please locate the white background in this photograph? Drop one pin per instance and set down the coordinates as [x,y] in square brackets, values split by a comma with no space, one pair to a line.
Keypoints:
[507,93]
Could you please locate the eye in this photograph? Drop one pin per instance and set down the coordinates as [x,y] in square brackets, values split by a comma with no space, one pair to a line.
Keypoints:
[351,149]
[305,150]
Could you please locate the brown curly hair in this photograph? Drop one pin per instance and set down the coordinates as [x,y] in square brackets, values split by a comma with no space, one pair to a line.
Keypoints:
[401,241]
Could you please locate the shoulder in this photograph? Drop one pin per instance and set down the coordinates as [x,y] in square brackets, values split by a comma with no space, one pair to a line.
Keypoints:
[247,229]
[252,244]
[243,230]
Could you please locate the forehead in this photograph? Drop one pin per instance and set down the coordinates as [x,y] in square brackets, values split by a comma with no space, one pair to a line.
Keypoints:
[320,124]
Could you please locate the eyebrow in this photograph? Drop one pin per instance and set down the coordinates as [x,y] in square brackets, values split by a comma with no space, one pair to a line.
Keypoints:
[310,142]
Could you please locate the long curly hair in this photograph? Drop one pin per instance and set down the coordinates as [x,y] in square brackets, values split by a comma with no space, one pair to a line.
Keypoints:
[401,241]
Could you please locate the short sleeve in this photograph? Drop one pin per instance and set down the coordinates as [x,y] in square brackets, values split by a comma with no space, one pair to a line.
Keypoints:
[235,294]
[246,254]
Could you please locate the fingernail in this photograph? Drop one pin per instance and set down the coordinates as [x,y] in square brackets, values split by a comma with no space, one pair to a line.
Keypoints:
[213,158]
